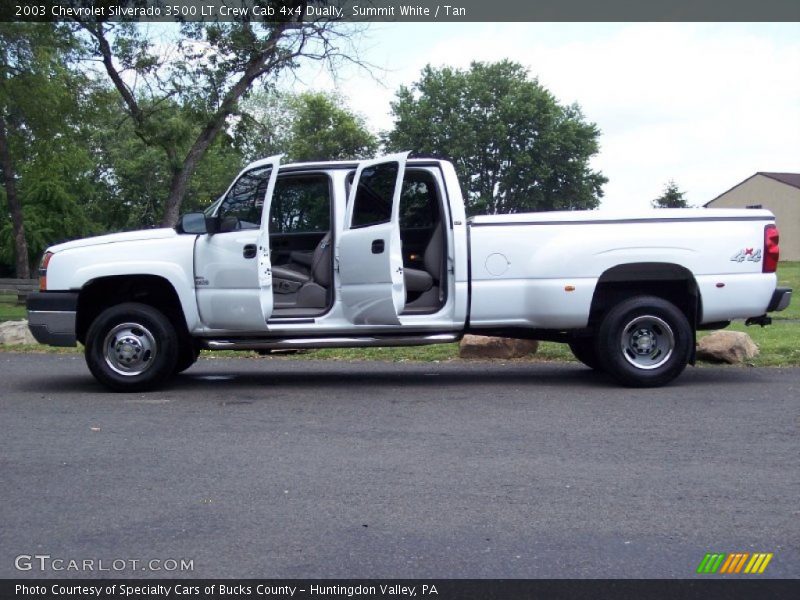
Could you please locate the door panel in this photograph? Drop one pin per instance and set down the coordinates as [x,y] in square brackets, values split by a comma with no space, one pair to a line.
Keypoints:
[233,276]
[264,264]
[369,252]
[227,282]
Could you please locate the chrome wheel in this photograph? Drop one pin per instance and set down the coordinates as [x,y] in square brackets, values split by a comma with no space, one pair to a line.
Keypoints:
[130,349]
[647,342]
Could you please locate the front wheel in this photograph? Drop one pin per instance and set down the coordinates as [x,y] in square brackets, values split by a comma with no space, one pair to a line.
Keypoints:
[131,347]
[645,341]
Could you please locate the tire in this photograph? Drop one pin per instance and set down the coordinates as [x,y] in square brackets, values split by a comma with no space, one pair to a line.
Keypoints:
[584,350]
[187,355]
[131,347]
[644,342]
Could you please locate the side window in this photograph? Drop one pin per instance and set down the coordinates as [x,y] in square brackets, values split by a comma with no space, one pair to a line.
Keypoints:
[373,203]
[245,199]
[301,205]
[419,208]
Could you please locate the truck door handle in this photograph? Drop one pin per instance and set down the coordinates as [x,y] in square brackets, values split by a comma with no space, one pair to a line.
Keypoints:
[378,246]
[249,251]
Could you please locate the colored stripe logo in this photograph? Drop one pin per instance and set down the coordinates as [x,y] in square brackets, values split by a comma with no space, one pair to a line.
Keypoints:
[734,562]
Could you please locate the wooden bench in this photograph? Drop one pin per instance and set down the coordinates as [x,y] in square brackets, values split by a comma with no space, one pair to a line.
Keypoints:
[20,287]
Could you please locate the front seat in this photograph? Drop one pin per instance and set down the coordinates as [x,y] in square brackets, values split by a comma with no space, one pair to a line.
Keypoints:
[311,288]
[419,281]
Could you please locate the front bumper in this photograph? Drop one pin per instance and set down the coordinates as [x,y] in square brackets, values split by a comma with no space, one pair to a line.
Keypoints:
[51,317]
[780,299]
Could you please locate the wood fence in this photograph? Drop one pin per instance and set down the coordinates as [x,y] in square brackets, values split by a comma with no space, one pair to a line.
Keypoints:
[20,287]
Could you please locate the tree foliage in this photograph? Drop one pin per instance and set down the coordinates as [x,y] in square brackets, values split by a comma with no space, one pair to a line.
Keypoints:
[514,146]
[672,197]
[47,168]
[322,129]
[305,127]
[206,71]
[109,126]
[83,154]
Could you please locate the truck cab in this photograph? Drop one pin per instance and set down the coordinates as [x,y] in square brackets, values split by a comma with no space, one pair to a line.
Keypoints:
[314,248]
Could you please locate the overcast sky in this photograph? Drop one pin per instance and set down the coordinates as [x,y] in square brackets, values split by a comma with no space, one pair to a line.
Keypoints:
[704,104]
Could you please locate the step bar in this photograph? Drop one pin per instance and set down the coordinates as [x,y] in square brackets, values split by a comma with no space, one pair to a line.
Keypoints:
[328,342]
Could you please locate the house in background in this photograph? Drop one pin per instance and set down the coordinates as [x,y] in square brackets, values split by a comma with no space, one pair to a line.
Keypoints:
[776,192]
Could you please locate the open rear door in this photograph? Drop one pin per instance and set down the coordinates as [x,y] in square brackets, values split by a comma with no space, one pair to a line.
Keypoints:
[369,254]
[264,261]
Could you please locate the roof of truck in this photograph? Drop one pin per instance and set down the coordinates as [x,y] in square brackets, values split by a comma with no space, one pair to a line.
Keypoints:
[333,164]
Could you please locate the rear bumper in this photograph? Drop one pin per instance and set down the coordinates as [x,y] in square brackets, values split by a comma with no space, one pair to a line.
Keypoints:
[51,317]
[780,299]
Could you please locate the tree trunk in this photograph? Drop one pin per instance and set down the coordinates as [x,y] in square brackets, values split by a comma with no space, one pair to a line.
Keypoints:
[17,221]
[181,177]
[257,66]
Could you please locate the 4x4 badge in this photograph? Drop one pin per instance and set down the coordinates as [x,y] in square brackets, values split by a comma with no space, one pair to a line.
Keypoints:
[747,254]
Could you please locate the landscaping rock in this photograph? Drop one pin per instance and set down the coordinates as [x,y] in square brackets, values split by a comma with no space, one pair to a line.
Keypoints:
[16,332]
[731,347]
[479,346]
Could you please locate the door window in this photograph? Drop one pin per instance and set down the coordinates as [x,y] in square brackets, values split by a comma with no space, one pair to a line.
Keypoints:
[373,201]
[245,200]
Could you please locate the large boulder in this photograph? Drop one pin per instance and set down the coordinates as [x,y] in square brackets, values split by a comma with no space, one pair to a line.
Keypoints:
[16,332]
[480,346]
[731,347]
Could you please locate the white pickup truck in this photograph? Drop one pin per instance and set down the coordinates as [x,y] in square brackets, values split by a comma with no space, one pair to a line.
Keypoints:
[381,253]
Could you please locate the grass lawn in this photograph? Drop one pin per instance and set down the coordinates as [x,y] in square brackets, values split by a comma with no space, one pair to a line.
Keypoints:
[9,310]
[779,343]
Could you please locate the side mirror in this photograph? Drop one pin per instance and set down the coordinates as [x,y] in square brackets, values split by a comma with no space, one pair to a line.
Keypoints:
[193,223]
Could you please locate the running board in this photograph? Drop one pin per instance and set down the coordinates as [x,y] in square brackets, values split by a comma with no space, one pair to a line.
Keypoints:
[329,342]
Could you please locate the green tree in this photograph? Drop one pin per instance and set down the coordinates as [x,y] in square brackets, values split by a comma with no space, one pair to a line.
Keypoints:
[46,171]
[323,128]
[136,176]
[207,71]
[671,198]
[305,127]
[514,146]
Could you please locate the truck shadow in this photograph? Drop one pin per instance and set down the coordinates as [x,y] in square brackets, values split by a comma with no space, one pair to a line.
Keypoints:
[285,376]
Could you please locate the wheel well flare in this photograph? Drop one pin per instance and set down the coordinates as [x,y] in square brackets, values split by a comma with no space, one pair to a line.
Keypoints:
[104,292]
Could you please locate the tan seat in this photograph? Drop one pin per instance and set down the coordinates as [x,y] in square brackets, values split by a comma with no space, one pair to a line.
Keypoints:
[312,288]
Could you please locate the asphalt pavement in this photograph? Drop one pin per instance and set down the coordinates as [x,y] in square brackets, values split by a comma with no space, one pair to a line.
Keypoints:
[294,468]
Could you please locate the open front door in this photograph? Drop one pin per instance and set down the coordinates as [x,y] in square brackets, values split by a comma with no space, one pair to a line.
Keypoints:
[369,254]
[264,261]
[233,275]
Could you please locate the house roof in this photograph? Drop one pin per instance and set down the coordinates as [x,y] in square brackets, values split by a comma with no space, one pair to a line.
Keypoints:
[792,179]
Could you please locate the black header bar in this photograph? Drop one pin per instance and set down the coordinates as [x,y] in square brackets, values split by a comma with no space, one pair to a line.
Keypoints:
[445,11]
[400,589]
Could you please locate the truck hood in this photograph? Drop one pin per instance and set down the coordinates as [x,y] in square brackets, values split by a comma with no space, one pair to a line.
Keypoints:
[127,236]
